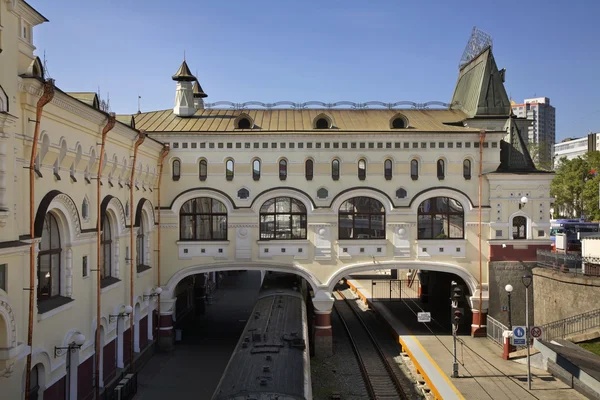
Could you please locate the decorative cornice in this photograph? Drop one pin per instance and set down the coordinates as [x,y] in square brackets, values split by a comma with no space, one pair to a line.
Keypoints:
[9,318]
[7,120]
[309,104]
[243,225]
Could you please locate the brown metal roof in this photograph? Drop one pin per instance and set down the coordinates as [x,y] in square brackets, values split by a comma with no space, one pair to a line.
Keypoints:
[298,120]
[89,98]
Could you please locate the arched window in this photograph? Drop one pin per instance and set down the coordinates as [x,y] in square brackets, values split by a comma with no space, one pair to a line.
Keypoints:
[467,169]
[362,169]
[335,169]
[244,123]
[141,244]
[49,259]
[282,169]
[322,123]
[322,194]
[361,218]
[176,170]
[441,218]
[229,170]
[414,169]
[282,218]
[401,193]
[519,227]
[203,218]
[441,169]
[308,170]
[34,382]
[387,169]
[256,170]
[243,193]
[85,212]
[203,170]
[106,271]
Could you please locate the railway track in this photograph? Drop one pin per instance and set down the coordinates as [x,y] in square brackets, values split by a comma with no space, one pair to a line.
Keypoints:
[380,380]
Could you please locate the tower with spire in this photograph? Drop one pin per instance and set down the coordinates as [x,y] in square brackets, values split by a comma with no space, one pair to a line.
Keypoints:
[198,95]
[184,96]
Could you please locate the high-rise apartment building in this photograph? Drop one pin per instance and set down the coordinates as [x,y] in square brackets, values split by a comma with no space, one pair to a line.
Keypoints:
[542,131]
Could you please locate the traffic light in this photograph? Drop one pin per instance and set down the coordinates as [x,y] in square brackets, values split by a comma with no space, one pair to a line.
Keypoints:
[456,295]
[457,316]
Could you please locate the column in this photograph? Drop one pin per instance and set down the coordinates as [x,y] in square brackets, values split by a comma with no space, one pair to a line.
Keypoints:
[478,325]
[166,333]
[323,340]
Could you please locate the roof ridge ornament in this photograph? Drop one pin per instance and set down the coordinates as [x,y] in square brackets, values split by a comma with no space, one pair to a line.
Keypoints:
[478,42]
[326,106]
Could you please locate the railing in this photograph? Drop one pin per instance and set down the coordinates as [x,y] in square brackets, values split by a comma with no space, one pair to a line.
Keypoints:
[572,263]
[495,331]
[393,290]
[569,326]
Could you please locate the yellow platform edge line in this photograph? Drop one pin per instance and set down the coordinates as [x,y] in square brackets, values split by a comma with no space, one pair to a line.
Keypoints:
[405,348]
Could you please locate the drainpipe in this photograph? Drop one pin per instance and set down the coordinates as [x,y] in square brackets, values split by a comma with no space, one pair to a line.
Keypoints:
[161,162]
[109,125]
[481,141]
[46,98]
[138,143]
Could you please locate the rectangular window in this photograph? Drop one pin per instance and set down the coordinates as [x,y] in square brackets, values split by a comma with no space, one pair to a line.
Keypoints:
[327,145]
[309,145]
[273,145]
[423,145]
[336,145]
[415,145]
[247,145]
[388,145]
[380,145]
[300,145]
[498,232]
[292,145]
[353,145]
[441,145]
[467,145]
[194,145]
[256,145]
[432,145]
[211,145]
[318,145]
[371,145]
[476,145]
[362,145]
[202,145]
[84,267]
[406,145]
[265,145]
[397,145]
[450,145]
[485,145]
[175,145]
[344,145]
[238,145]
[282,145]
[459,145]
[3,277]
[230,145]
[221,145]
[184,145]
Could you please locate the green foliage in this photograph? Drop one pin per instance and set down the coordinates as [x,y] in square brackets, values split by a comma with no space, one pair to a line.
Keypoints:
[535,151]
[575,188]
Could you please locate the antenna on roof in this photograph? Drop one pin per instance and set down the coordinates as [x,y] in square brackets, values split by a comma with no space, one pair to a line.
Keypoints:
[184,55]
[104,105]
[478,42]
[45,66]
[139,104]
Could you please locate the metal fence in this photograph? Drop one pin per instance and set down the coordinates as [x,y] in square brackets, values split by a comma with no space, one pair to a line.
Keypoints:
[393,289]
[495,330]
[572,325]
[572,263]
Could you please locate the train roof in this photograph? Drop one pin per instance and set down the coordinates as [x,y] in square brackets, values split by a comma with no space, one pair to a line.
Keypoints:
[269,360]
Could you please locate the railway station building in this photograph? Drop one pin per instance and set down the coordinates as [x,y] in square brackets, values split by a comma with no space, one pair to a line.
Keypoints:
[111,225]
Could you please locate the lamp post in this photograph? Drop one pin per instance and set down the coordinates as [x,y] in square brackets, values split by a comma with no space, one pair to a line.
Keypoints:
[509,290]
[527,282]
[127,310]
[153,293]
[523,202]
[75,345]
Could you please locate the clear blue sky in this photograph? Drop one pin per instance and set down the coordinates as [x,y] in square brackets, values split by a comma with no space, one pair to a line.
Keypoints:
[322,50]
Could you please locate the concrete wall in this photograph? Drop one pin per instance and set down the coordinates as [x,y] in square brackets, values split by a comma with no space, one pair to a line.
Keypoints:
[501,274]
[577,294]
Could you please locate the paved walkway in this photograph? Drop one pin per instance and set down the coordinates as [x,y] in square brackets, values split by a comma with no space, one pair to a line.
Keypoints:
[483,373]
[194,368]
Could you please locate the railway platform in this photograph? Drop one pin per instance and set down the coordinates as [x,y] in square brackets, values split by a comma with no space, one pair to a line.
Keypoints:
[483,374]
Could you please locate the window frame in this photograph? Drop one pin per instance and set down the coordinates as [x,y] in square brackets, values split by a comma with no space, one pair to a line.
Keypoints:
[202,175]
[467,169]
[335,175]
[356,213]
[104,241]
[362,172]
[446,221]
[309,169]
[197,216]
[283,169]
[388,172]
[518,226]
[256,175]
[49,253]
[229,172]
[176,176]
[140,244]
[441,169]
[414,169]
[319,123]
[274,233]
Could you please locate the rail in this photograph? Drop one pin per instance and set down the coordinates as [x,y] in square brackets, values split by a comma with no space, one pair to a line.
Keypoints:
[380,380]
[495,331]
[569,326]
[572,263]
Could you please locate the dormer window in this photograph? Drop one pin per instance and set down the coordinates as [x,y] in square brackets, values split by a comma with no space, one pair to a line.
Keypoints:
[322,121]
[244,122]
[398,121]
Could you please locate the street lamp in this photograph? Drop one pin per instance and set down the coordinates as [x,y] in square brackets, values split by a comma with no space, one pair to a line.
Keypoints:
[153,293]
[509,290]
[75,345]
[527,279]
[524,201]
[127,310]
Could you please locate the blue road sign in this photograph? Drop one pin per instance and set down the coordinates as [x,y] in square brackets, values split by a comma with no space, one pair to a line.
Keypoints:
[519,338]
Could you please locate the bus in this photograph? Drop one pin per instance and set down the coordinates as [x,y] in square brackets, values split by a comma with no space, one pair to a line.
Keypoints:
[571,227]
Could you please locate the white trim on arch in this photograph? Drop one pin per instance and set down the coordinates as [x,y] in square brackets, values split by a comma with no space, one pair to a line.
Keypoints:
[282,192]
[442,192]
[362,192]
[178,203]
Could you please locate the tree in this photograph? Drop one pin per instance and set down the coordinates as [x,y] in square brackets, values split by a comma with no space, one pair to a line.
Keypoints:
[575,187]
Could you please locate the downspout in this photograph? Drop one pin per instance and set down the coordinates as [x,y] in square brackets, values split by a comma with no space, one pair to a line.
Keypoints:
[46,98]
[138,143]
[481,141]
[161,162]
[109,125]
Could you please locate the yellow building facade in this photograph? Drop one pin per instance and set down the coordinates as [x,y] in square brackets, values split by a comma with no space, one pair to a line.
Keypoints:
[318,190]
